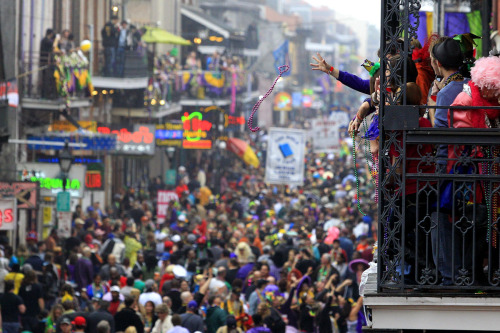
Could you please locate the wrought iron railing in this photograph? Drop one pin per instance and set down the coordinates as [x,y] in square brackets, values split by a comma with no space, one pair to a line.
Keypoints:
[445,233]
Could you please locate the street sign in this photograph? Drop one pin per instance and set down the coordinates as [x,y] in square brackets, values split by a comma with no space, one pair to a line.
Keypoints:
[63,202]
[8,219]
[170,177]
[64,224]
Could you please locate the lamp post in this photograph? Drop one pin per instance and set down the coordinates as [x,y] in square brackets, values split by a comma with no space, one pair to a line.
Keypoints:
[65,161]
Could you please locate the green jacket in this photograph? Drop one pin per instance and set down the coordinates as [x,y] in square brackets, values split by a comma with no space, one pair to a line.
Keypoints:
[216,317]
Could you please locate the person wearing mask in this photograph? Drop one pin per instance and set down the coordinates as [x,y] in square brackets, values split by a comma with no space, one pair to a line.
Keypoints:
[128,317]
[164,322]
[32,295]
[191,320]
[11,307]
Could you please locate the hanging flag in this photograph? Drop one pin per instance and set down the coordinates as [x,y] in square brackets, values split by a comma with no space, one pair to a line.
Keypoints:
[282,57]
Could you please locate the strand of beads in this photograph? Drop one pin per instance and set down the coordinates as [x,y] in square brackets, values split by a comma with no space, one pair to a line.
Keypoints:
[281,70]
[356,172]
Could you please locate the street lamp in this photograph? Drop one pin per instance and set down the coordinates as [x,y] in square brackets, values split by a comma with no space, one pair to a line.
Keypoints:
[170,153]
[65,161]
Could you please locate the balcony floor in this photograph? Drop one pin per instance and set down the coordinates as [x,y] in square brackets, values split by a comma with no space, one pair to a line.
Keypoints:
[54,104]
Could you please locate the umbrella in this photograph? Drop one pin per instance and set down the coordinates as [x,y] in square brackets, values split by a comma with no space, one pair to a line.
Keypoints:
[244,151]
[157,35]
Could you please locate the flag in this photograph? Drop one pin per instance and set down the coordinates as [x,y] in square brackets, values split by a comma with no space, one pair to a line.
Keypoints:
[9,91]
[282,57]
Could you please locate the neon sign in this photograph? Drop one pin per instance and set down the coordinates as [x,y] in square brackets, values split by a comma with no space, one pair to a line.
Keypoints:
[56,183]
[93,179]
[8,217]
[140,141]
[195,129]
[232,120]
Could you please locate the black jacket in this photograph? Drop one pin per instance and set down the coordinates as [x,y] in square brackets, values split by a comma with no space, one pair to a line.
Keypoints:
[109,35]
[96,316]
[127,317]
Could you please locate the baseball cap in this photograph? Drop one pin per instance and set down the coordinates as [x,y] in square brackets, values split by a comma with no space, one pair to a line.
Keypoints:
[115,288]
[79,321]
[66,321]
[192,305]
[176,238]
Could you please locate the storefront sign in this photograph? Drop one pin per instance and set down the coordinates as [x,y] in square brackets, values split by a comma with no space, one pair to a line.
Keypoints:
[164,199]
[170,177]
[66,126]
[140,141]
[196,131]
[25,193]
[285,156]
[169,134]
[51,179]
[93,142]
[94,177]
[8,219]
[325,136]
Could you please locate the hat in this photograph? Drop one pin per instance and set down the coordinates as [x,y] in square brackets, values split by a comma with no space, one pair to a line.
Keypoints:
[181,218]
[176,238]
[448,53]
[115,289]
[192,305]
[165,256]
[79,321]
[168,244]
[358,261]
[191,238]
[79,221]
[66,321]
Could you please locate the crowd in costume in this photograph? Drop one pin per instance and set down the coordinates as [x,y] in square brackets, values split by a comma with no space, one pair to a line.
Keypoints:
[442,73]
[253,258]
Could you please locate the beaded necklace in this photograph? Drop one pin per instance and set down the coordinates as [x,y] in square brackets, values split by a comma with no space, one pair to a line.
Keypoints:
[356,172]
[373,167]
[453,77]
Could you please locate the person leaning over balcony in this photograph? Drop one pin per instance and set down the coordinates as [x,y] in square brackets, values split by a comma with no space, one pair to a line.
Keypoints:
[109,35]
[446,59]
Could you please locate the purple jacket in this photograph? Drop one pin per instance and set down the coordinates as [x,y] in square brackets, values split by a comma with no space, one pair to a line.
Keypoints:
[354,82]
[259,330]
[243,271]
[84,272]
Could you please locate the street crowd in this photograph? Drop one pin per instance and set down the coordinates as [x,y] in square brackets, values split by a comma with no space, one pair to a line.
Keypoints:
[254,258]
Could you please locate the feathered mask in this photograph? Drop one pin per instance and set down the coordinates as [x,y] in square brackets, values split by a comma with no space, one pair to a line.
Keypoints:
[371,67]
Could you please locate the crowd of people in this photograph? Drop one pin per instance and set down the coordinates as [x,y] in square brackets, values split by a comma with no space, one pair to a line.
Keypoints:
[255,258]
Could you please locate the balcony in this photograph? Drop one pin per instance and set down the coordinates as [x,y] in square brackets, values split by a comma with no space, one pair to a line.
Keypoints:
[55,82]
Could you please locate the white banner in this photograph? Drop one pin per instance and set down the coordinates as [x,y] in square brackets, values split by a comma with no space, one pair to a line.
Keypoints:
[64,224]
[164,199]
[341,117]
[285,156]
[325,136]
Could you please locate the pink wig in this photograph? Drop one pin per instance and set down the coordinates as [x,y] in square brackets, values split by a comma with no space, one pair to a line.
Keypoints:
[486,72]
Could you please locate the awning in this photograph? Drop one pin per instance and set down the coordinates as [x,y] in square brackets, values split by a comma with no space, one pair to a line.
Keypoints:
[207,21]
[158,35]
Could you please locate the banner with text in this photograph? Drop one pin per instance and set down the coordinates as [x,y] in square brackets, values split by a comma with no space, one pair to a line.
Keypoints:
[326,136]
[285,156]
[164,199]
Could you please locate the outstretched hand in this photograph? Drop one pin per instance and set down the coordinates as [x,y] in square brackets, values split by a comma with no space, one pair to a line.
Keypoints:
[321,64]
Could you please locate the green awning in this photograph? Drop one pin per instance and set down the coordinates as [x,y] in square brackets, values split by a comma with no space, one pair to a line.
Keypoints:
[158,35]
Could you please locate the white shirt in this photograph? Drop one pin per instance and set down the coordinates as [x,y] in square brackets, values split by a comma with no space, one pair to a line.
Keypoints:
[163,327]
[178,329]
[152,296]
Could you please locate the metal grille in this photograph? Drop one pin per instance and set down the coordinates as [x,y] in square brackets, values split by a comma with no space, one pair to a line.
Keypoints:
[450,225]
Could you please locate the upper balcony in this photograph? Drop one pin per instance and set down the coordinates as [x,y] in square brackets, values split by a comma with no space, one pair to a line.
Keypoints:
[55,81]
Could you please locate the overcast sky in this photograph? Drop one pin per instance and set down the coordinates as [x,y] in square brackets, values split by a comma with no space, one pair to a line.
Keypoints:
[363,10]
